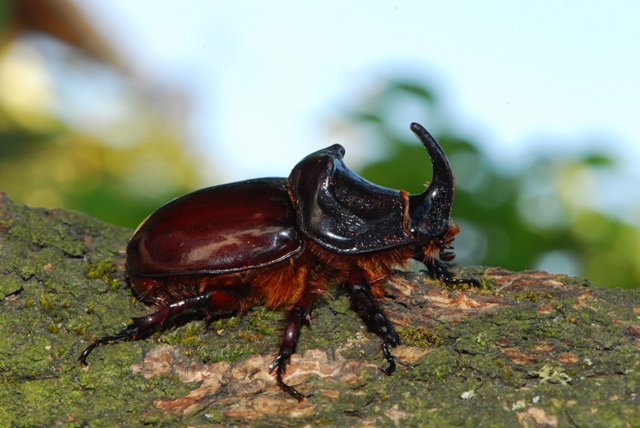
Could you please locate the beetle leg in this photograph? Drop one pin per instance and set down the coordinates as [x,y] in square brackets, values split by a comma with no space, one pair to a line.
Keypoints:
[214,300]
[364,303]
[128,333]
[439,270]
[297,316]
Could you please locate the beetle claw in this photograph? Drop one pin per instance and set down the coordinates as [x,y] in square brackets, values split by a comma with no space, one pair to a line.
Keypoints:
[275,363]
[389,357]
[279,364]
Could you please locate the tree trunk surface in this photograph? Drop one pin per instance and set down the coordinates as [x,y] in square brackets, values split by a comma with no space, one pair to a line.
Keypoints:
[523,349]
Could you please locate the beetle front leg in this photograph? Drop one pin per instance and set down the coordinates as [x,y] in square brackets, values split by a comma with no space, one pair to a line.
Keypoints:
[297,316]
[365,304]
[440,270]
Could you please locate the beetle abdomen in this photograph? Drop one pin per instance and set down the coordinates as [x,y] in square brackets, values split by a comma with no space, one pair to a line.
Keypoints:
[216,230]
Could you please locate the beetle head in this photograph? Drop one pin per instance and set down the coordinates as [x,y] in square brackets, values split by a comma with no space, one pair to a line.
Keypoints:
[429,211]
[345,213]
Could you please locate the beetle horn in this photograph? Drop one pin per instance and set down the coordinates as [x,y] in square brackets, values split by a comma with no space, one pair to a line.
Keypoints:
[429,211]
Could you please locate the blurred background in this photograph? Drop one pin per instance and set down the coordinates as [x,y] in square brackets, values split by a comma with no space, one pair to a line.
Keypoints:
[113,107]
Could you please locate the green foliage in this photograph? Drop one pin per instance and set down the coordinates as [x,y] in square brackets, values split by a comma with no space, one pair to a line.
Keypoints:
[509,219]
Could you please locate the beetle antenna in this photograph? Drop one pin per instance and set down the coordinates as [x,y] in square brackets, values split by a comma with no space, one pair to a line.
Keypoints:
[430,210]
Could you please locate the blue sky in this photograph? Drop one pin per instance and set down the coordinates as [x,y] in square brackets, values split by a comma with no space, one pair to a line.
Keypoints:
[265,78]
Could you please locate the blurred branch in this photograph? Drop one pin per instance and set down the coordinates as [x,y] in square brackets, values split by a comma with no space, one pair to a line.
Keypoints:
[62,20]
[84,134]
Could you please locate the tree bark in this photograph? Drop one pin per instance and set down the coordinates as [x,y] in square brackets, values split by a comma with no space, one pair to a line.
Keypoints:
[524,348]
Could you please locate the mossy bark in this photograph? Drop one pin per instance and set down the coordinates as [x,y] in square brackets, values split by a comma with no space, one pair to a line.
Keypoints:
[526,348]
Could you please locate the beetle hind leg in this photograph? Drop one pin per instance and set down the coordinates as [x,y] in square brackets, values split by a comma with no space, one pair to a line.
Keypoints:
[365,304]
[128,333]
[213,300]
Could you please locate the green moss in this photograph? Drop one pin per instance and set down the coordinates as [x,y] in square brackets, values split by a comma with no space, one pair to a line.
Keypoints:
[217,325]
[45,302]
[104,271]
[532,296]
[101,270]
[53,328]
[421,336]
[232,322]
[341,305]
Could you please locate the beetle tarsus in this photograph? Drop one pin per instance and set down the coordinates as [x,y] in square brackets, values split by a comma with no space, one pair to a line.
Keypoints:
[390,359]
[279,364]
[128,333]
[438,269]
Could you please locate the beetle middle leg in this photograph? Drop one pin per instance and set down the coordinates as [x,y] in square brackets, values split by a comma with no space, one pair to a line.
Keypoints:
[365,304]
[297,316]
[212,300]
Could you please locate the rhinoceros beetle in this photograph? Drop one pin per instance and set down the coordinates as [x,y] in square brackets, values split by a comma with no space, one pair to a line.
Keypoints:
[279,242]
